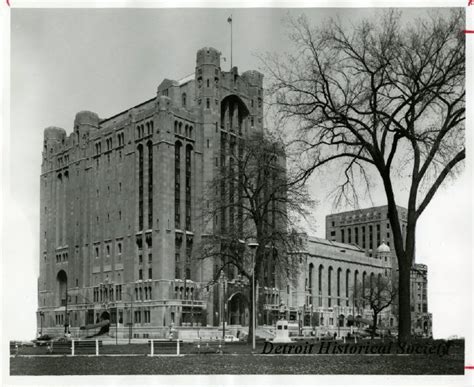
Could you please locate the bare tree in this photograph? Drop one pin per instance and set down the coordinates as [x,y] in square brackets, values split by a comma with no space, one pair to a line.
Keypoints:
[378,294]
[251,198]
[384,98]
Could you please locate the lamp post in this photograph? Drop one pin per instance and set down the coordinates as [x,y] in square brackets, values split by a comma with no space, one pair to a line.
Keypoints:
[130,323]
[66,322]
[224,303]
[253,244]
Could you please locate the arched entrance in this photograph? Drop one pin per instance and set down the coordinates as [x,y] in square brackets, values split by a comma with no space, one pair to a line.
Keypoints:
[61,278]
[105,315]
[238,309]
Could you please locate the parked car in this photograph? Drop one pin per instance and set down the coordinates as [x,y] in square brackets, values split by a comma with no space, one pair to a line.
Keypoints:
[43,340]
[230,338]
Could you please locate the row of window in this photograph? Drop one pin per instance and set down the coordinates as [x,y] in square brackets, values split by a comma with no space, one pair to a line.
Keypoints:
[145,315]
[104,294]
[140,258]
[140,274]
[182,293]
[178,129]
[61,257]
[109,143]
[144,129]
[311,288]
[108,249]
[143,293]
[63,160]
[108,189]
[148,240]
[350,239]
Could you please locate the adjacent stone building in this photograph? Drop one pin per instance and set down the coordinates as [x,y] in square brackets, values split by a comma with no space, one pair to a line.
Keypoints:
[369,227]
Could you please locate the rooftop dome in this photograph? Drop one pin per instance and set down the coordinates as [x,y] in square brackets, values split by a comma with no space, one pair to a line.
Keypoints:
[383,248]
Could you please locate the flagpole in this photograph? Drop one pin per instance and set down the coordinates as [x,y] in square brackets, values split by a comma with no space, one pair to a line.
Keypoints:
[230,21]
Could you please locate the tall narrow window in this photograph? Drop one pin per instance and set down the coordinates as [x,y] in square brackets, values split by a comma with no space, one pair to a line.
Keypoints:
[339,286]
[310,284]
[177,185]
[150,184]
[188,186]
[183,99]
[348,274]
[140,187]
[329,285]
[320,285]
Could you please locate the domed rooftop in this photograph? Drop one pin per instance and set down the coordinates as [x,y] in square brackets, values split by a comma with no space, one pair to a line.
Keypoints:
[383,248]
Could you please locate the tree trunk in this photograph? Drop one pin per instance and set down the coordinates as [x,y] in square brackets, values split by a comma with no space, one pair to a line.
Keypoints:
[405,256]
[374,325]
[404,307]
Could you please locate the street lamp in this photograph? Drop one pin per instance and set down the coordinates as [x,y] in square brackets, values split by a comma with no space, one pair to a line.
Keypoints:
[224,303]
[130,323]
[253,244]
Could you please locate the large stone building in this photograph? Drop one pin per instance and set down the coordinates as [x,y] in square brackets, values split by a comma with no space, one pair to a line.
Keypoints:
[121,198]
[121,205]
[369,227]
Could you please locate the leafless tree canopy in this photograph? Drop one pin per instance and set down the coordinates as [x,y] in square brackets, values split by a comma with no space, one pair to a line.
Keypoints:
[385,97]
[252,198]
[377,294]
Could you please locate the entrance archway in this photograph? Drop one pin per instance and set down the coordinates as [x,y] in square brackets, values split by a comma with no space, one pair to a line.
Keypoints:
[62,287]
[105,315]
[238,309]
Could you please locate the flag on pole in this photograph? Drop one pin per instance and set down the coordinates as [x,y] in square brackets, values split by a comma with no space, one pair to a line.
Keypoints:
[229,19]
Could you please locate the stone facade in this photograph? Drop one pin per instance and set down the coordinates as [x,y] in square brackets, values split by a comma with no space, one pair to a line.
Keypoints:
[121,198]
[367,228]
[121,204]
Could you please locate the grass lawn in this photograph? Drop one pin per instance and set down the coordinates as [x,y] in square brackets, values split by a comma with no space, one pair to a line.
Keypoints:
[240,362]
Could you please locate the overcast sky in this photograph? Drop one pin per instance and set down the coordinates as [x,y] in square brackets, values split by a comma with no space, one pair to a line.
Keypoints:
[64,61]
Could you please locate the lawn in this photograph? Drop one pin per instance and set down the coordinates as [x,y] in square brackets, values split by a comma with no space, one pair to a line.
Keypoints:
[242,363]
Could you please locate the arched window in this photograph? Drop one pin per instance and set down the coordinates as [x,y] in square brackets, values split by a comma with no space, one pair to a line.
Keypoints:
[188,186]
[320,285]
[364,286]
[180,127]
[150,184]
[329,285]
[176,127]
[140,186]
[177,185]
[348,274]
[183,99]
[339,286]
[190,132]
[356,278]
[310,276]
